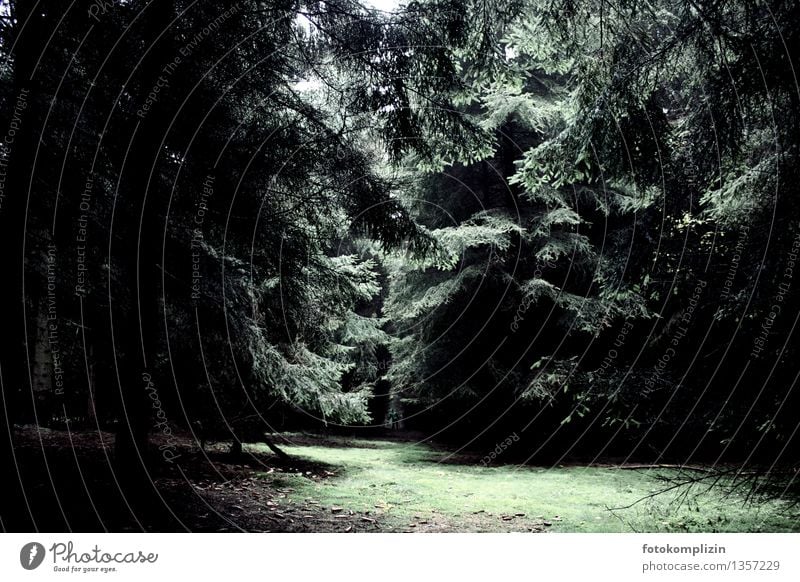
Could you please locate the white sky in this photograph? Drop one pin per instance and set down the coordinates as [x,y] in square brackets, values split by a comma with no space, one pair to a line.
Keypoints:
[387,5]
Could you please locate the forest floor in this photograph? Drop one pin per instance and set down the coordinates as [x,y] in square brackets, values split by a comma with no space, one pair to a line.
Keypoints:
[334,484]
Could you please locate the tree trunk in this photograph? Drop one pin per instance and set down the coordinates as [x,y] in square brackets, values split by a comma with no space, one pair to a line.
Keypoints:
[236,449]
[274,448]
[44,369]
[140,250]
[16,160]
[91,405]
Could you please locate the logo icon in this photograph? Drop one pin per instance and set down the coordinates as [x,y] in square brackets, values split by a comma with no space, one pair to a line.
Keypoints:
[31,555]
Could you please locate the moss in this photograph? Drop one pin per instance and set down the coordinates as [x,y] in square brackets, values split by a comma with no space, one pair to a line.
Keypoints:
[402,483]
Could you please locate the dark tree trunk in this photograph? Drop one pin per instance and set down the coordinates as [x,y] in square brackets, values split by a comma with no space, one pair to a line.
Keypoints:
[16,400]
[274,448]
[235,451]
[137,320]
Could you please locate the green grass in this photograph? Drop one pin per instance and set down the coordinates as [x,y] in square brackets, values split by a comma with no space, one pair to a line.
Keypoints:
[400,484]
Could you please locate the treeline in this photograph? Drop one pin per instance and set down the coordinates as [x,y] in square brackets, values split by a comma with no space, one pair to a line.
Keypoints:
[622,271]
[185,185]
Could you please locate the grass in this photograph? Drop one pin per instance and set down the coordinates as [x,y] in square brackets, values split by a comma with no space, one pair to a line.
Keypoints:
[407,488]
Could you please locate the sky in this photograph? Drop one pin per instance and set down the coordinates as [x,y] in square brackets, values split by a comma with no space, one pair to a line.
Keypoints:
[387,5]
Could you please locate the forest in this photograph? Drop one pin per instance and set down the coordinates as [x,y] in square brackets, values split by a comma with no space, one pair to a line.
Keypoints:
[427,265]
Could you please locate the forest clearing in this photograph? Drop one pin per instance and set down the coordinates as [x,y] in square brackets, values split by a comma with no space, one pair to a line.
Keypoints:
[337,484]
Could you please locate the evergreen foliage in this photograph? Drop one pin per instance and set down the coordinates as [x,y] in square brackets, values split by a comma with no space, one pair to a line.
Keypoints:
[572,220]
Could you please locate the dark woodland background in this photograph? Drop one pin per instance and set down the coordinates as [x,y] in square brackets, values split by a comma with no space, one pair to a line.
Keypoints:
[575,222]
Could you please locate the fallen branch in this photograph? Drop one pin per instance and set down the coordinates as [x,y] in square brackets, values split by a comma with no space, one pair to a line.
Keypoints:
[668,466]
[687,483]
